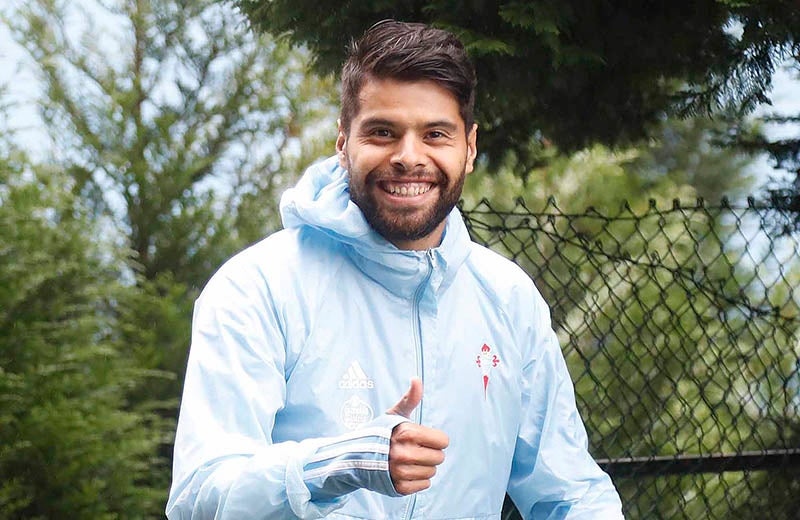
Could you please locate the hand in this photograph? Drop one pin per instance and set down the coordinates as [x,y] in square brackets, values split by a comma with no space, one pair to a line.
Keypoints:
[414,450]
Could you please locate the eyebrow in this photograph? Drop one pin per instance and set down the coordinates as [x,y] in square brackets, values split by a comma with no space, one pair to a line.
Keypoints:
[378,121]
[445,124]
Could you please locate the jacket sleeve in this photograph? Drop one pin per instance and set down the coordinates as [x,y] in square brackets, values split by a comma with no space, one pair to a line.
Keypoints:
[553,476]
[225,464]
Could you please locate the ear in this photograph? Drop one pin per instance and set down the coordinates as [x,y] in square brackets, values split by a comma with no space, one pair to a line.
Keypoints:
[341,144]
[472,148]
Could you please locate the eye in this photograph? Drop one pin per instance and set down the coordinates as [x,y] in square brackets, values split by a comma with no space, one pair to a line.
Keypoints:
[381,132]
[436,135]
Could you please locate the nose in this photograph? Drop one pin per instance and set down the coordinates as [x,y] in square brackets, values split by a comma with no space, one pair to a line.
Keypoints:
[409,154]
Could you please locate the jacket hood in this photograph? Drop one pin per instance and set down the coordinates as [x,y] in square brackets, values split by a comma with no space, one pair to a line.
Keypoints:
[321,200]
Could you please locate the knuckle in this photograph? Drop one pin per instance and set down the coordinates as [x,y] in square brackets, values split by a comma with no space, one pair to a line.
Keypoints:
[403,434]
[403,488]
[403,472]
[399,455]
[394,451]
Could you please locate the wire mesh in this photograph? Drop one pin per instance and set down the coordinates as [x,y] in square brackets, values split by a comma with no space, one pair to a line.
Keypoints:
[681,329]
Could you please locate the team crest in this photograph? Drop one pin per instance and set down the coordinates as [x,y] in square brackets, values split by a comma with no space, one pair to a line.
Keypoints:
[355,413]
[486,361]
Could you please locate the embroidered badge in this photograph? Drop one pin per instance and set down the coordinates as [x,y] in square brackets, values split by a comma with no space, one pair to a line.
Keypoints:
[486,361]
[355,413]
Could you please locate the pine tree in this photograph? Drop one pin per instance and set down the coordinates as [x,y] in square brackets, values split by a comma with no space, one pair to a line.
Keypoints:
[71,444]
[178,128]
[575,72]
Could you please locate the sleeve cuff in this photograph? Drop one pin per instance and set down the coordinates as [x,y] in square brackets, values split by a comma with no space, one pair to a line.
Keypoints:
[298,494]
[356,460]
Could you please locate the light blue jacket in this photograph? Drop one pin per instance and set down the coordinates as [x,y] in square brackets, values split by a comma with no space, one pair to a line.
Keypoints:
[300,343]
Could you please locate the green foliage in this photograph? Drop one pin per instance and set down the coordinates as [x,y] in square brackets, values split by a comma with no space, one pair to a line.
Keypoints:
[683,160]
[198,118]
[176,129]
[665,315]
[575,72]
[71,445]
[154,319]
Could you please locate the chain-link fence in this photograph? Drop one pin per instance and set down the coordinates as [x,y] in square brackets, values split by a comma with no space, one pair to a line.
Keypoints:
[681,328]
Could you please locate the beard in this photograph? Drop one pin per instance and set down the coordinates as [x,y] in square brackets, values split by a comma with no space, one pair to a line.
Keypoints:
[405,223]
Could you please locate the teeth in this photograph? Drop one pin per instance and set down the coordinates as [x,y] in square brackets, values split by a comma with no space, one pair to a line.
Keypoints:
[407,189]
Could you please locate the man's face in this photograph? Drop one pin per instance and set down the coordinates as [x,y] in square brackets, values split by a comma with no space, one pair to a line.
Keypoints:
[407,153]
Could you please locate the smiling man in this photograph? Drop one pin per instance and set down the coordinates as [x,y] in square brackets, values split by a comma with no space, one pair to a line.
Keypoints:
[303,343]
[407,150]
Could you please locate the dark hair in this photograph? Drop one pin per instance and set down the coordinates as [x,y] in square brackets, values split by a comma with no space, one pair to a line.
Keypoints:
[408,52]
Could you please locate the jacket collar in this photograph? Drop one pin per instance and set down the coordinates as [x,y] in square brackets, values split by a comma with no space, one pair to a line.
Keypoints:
[321,200]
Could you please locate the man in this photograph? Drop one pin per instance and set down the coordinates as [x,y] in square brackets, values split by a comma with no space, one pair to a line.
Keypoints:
[302,341]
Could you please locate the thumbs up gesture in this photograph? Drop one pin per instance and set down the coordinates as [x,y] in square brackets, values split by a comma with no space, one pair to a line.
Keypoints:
[414,450]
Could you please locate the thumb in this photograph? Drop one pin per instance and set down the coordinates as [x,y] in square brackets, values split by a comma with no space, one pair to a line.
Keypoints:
[405,406]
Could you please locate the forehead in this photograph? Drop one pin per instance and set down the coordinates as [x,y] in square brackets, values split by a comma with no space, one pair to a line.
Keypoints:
[407,101]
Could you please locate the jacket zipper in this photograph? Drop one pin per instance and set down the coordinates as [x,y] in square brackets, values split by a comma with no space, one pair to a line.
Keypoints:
[418,351]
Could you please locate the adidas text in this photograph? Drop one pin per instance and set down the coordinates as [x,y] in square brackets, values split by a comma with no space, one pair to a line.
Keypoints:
[356,384]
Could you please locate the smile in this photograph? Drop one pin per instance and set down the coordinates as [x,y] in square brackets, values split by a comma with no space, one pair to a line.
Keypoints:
[406,189]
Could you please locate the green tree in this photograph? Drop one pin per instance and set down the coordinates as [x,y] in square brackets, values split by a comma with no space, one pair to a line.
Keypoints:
[180,125]
[71,444]
[681,159]
[178,128]
[575,72]
[668,354]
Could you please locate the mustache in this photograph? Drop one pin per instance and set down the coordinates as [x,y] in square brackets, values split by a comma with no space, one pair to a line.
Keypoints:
[381,175]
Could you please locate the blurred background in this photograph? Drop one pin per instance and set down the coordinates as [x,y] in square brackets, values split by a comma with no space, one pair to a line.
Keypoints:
[640,161]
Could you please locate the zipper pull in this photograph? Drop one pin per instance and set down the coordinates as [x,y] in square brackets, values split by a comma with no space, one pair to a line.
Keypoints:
[432,258]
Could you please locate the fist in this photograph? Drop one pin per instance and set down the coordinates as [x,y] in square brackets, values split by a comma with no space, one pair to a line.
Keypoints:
[414,450]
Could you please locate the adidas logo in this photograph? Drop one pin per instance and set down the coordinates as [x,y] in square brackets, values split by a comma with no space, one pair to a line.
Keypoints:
[355,377]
